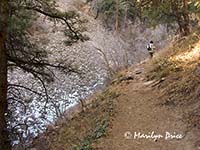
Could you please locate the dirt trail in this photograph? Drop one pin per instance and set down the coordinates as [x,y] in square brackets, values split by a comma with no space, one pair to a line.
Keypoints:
[139,110]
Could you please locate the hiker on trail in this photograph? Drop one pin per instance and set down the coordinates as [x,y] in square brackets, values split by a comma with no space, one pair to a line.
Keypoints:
[151,49]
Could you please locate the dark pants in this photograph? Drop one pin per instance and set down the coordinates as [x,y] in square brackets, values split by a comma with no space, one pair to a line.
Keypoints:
[151,54]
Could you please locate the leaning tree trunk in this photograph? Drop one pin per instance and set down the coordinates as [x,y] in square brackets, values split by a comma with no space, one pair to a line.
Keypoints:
[117,16]
[186,28]
[186,19]
[182,16]
[4,139]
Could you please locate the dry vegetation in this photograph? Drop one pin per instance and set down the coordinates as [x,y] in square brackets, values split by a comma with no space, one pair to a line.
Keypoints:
[180,91]
[83,129]
[181,70]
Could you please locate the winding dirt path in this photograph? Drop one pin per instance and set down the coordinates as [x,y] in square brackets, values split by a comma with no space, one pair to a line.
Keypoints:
[139,110]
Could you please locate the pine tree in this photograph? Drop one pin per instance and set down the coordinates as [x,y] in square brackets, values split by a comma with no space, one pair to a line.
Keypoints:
[151,12]
[16,51]
[118,12]
[169,12]
[4,13]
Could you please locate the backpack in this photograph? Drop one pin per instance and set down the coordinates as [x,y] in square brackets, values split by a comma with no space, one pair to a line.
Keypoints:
[149,48]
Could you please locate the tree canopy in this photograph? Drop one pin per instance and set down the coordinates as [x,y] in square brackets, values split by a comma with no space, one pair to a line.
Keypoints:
[152,12]
[18,52]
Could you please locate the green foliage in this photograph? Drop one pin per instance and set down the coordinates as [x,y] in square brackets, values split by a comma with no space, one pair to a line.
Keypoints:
[109,7]
[27,56]
[152,12]
[170,12]
[194,6]
[157,14]
[97,133]
[124,9]
[23,55]
[105,102]
[21,52]
[20,21]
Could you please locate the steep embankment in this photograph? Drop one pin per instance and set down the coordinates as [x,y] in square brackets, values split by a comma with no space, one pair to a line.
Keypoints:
[95,59]
[141,117]
[162,100]
[168,103]
[157,98]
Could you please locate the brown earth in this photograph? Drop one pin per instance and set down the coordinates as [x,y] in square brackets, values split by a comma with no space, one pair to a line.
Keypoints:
[139,109]
[160,100]
[139,106]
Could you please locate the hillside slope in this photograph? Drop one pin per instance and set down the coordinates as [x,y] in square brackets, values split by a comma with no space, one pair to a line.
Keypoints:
[162,100]
[140,111]
[94,62]
[158,98]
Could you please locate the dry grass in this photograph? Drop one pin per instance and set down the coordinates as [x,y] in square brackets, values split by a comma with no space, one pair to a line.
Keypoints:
[184,54]
[181,89]
[83,129]
[180,67]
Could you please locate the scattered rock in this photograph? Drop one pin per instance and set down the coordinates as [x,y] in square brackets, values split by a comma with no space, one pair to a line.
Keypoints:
[139,71]
[127,78]
[149,82]
[154,82]
[158,82]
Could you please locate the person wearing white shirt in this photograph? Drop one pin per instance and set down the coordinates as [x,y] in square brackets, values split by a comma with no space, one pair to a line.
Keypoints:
[151,48]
